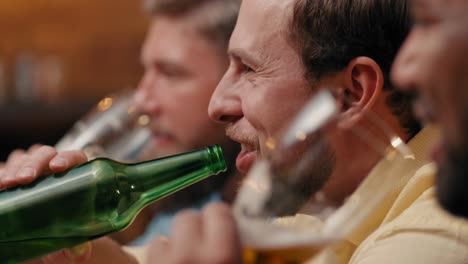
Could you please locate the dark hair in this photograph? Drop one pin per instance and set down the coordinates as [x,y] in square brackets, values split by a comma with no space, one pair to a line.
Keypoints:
[328,34]
[215,19]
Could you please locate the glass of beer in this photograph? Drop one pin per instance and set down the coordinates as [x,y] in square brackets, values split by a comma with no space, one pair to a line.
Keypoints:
[113,128]
[282,210]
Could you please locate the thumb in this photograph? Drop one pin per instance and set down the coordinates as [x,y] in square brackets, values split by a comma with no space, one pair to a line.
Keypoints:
[74,255]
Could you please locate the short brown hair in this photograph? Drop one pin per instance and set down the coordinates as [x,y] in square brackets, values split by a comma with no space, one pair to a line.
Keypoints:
[215,19]
[328,34]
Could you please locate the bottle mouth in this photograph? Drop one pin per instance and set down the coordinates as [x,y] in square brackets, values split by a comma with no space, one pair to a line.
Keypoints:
[216,157]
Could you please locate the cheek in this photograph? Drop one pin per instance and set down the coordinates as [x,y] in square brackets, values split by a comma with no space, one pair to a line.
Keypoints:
[289,102]
[419,56]
[270,108]
[188,114]
[445,53]
[428,62]
[196,129]
[447,83]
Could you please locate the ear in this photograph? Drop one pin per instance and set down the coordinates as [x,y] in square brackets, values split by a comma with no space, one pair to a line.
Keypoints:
[363,84]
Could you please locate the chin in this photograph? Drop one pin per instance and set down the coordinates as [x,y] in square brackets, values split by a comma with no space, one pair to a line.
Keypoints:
[452,182]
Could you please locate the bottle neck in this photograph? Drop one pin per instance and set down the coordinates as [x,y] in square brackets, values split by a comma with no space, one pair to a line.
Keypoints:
[161,177]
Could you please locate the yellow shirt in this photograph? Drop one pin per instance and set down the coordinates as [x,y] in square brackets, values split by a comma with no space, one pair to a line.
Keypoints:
[407,227]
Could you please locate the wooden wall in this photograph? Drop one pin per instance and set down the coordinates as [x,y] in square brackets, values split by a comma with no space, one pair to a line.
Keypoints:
[96,41]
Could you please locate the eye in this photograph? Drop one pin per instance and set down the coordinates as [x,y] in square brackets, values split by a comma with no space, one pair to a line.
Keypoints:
[170,74]
[247,68]
[241,67]
[173,72]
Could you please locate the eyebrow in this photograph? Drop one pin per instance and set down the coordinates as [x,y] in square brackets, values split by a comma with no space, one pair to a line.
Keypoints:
[244,56]
[159,63]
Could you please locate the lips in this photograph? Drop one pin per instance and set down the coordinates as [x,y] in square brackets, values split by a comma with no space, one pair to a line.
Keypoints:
[245,160]
[245,135]
[162,139]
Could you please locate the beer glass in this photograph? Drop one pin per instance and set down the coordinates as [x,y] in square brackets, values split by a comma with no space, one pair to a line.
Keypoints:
[290,178]
[114,128]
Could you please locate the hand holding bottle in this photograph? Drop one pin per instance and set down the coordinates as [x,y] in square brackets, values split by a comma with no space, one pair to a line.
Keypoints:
[24,166]
[101,196]
[43,160]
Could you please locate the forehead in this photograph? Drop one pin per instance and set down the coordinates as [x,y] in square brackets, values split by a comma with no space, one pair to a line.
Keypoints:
[261,26]
[164,29]
[173,38]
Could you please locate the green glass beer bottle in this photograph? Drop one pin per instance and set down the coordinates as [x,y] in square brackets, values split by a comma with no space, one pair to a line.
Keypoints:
[92,200]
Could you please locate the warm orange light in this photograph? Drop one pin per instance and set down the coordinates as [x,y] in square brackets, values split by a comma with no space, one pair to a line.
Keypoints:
[105,104]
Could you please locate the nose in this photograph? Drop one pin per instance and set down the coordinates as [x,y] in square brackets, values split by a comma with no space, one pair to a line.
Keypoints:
[144,98]
[225,104]
[405,67]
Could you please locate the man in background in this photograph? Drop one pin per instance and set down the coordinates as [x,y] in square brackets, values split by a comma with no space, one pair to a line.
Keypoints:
[433,65]
[184,57]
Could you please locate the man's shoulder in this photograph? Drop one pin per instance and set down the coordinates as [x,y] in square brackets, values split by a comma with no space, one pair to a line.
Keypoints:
[425,226]
[416,208]
[425,215]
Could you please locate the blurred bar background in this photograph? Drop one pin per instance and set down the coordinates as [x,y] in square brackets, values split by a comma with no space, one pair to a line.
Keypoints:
[58,58]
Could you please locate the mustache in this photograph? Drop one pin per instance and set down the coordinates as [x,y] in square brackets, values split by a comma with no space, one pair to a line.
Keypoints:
[238,135]
[156,127]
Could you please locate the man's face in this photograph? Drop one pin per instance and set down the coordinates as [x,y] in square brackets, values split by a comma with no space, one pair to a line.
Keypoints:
[182,70]
[264,86]
[433,64]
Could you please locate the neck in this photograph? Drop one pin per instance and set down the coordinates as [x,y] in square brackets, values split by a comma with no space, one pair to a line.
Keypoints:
[347,176]
[357,155]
